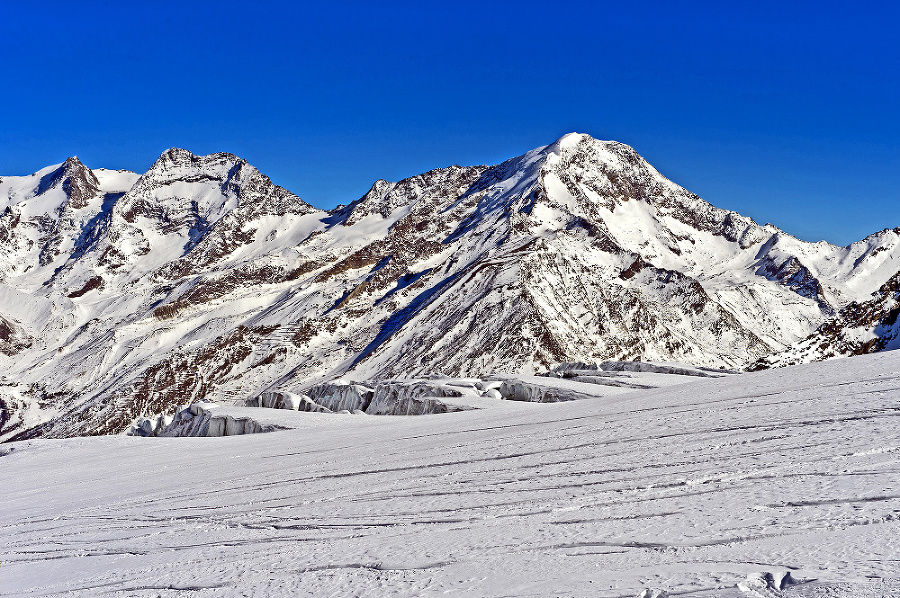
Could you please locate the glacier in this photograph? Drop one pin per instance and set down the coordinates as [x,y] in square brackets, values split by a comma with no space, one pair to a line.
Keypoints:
[559,375]
[723,486]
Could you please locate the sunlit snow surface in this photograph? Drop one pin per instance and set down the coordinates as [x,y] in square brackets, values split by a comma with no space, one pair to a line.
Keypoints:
[689,489]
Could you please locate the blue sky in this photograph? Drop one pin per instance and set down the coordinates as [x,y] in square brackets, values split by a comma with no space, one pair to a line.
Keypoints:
[788,114]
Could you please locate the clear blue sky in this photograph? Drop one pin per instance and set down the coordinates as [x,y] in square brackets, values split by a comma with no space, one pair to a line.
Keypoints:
[786,112]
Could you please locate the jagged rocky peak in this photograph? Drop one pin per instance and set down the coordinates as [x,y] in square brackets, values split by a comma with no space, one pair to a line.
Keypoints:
[75,179]
[177,164]
[234,176]
[188,212]
[206,186]
[177,156]
[45,214]
[79,183]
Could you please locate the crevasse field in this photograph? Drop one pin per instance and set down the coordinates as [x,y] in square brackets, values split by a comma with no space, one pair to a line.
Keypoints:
[692,489]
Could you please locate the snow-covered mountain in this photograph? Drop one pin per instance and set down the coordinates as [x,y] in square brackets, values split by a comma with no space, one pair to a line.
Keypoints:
[124,296]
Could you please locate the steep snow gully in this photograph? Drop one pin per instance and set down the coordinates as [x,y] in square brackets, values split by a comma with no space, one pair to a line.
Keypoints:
[715,487]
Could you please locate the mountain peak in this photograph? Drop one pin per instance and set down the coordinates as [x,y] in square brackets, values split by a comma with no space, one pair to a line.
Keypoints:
[76,179]
[570,140]
[176,156]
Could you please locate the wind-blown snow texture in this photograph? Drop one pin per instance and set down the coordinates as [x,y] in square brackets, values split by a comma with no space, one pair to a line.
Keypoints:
[125,296]
[689,490]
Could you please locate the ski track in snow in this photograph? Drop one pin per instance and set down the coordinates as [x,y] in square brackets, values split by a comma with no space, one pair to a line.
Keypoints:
[689,488]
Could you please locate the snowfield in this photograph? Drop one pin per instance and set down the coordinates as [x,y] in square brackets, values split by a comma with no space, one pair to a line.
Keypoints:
[690,489]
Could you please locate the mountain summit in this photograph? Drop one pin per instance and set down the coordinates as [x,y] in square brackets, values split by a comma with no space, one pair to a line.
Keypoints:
[124,296]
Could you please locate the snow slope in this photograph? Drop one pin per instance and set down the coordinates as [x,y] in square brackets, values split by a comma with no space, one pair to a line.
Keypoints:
[858,328]
[688,489]
[125,296]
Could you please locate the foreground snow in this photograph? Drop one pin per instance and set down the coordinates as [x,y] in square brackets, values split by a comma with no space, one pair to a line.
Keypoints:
[690,489]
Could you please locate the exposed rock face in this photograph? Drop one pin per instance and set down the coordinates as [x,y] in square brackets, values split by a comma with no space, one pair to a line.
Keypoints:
[794,275]
[125,296]
[12,338]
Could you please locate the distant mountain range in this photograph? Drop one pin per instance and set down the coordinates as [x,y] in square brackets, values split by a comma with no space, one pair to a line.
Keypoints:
[126,295]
